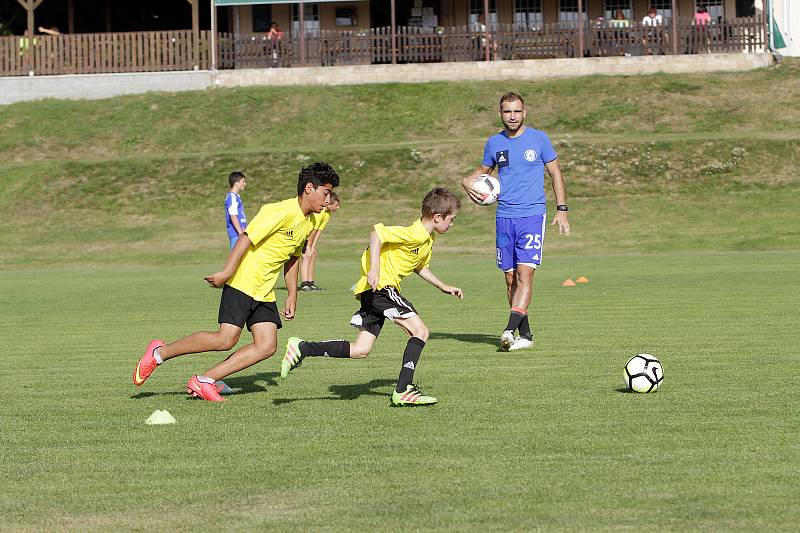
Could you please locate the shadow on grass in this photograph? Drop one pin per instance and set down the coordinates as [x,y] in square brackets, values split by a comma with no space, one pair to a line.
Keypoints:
[247,384]
[469,338]
[239,384]
[624,390]
[346,392]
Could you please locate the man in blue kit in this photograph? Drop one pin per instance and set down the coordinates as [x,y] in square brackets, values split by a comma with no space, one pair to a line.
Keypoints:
[521,155]
[235,219]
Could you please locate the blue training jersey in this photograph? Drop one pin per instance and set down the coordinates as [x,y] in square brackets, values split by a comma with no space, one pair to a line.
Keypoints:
[234,207]
[520,165]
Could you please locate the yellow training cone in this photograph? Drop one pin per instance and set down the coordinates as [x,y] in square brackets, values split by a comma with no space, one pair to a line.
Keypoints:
[160,417]
[568,283]
[582,279]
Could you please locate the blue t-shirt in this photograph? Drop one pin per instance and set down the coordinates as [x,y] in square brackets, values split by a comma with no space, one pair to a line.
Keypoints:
[234,207]
[520,165]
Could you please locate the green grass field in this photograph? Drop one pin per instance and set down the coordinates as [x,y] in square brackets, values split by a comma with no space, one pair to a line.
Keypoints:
[686,225]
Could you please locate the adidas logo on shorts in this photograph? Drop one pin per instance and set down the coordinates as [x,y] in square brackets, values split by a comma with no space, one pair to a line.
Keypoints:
[409,365]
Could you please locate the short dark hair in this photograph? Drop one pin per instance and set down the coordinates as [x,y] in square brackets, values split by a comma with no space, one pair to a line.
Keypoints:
[235,176]
[334,198]
[317,174]
[510,96]
[440,201]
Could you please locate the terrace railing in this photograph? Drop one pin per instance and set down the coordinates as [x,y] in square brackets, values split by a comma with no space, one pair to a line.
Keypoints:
[93,53]
[178,50]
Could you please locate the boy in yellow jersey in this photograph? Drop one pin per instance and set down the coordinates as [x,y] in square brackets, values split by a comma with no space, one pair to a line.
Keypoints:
[272,241]
[394,252]
[310,248]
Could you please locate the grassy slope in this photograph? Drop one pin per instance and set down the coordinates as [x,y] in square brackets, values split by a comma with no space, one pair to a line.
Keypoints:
[685,220]
[107,180]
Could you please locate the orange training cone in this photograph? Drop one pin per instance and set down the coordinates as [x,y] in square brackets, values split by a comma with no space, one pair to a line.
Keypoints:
[568,283]
[582,279]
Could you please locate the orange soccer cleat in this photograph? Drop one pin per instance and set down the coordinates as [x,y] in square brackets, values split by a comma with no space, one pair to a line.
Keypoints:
[206,391]
[146,364]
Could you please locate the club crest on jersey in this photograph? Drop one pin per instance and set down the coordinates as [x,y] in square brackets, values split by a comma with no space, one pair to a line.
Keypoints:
[530,155]
[501,158]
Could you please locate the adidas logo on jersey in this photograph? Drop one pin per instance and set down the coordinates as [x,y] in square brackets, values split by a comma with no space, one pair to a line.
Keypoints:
[409,365]
[415,251]
[290,233]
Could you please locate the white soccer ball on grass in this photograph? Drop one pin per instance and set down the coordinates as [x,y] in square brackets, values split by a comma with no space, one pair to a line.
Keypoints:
[643,373]
[488,186]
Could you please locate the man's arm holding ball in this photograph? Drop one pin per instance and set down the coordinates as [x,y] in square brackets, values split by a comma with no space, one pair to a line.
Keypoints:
[470,180]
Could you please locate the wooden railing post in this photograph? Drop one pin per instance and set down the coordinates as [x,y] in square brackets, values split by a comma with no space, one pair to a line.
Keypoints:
[674,22]
[195,34]
[394,33]
[580,28]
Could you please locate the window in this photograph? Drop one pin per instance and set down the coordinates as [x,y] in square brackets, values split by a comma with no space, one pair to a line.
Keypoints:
[611,7]
[310,16]
[476,10]
[745,8]
[716,8]
[262,17]
[568,13]
[663,8]
[528,14]
[346,16]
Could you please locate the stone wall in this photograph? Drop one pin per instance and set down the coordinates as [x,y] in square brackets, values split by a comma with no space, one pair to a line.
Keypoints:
[96,86]
[532,69]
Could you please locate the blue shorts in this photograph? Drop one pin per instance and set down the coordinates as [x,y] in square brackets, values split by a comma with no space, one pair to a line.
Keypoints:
[520,241]
[233,241]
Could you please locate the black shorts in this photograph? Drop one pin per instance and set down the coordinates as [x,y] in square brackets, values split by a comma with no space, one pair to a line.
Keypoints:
[376,307]
[238,308]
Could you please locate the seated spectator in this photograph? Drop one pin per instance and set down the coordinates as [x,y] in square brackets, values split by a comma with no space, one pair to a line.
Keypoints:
[274,32]
[619,22]
[650,37]
[652,18]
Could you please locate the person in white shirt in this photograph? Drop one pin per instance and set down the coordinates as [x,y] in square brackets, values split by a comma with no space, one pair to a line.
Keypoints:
[652,39]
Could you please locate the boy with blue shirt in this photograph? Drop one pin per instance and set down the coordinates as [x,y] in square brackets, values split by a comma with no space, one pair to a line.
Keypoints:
[235,219]
[521,155]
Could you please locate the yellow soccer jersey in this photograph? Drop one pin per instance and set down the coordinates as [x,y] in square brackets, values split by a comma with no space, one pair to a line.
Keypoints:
[278,232]
[404,250]
[321,219]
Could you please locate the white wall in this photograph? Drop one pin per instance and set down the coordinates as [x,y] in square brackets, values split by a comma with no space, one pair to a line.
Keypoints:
[787,13]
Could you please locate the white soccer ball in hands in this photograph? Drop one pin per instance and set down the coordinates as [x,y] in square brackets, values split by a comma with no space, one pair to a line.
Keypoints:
[489,186]
[643,373]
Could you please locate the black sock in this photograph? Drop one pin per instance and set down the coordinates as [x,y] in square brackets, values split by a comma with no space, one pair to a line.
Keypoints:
[525,328]
[514,320]
[410,358]
[338,348]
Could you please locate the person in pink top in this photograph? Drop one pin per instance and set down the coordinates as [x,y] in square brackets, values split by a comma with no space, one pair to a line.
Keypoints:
[701,18]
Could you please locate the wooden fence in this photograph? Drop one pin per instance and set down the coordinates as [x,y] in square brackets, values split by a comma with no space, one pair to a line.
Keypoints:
[177,50]
[93,53]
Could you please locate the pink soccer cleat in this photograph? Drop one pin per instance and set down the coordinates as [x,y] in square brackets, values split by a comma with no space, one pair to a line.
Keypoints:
[206,391]
[146,364]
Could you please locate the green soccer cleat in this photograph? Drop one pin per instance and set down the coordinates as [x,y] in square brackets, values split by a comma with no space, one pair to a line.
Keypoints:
[292,358]
[412,396]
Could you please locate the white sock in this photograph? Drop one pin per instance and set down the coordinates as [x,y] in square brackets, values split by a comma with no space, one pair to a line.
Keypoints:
[157,357]
[203,379]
